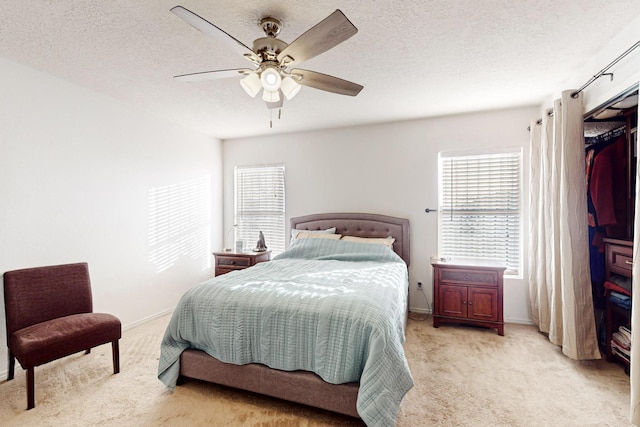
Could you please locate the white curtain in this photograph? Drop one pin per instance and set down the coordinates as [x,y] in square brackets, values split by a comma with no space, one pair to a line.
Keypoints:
[559,273]
[635,314]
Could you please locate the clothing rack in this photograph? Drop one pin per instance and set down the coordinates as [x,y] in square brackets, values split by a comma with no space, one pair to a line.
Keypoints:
[606,136]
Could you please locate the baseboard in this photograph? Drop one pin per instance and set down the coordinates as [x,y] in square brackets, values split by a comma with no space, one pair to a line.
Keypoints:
[411,310]
[518,321]
[3,374]
[147,319]
[506,320]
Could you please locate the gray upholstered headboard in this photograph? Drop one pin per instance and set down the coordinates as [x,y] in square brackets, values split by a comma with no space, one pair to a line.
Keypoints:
[360,225]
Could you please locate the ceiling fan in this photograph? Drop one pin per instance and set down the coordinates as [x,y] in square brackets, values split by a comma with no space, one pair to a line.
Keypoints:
[272,58]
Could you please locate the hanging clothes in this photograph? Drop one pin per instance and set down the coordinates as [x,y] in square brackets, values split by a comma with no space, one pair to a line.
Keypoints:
[608,188]
[606,165]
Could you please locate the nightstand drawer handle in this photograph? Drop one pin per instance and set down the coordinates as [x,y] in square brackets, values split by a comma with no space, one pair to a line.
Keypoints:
[233,262]
[626,261]
[466,277]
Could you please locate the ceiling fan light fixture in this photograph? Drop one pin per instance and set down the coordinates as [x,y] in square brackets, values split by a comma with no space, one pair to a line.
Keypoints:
[290,88]
[251,84]
[271,95]
[270,79]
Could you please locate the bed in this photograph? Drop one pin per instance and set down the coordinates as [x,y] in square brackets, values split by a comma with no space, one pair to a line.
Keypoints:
[353,366]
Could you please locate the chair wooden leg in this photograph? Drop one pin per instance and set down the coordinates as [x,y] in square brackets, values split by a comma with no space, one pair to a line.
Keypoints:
[116,356]
[31,399]
[12,366]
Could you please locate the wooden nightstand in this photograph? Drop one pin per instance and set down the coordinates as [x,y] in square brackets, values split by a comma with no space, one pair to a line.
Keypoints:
[468,292]
[230,261]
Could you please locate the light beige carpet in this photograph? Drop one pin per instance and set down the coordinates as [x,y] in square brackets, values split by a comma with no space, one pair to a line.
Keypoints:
[464,376]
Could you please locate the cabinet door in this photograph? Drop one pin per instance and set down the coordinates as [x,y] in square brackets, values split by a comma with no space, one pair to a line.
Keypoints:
[483,304]
[452,301]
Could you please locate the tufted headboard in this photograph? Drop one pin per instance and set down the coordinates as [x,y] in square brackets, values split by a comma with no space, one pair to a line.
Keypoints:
[360,225]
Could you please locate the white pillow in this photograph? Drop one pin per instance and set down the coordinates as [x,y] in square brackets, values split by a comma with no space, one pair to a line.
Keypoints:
[307,235]
[294,233]
[387,241]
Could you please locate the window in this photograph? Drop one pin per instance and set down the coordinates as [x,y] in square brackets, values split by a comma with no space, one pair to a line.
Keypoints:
[259,195]
[480,207]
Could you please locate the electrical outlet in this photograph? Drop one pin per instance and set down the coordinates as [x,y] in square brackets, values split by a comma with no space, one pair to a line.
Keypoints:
[419,285]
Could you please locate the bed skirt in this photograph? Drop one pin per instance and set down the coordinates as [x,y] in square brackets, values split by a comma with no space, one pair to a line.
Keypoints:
[296,386]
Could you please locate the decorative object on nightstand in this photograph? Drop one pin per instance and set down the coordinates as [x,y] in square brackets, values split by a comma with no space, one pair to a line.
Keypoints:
[261,246]
[226,262]
[468,292]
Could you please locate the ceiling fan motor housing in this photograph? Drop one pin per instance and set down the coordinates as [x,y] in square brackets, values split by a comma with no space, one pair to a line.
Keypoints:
[268,48]
[271,26]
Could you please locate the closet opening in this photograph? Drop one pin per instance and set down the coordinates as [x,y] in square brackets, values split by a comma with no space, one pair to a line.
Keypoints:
[611,140]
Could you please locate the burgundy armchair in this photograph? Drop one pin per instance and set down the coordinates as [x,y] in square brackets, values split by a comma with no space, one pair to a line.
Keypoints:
[49,313]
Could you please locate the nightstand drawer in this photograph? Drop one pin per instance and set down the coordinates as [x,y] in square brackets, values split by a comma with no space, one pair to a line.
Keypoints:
[475,277]
[233,261]
[227,262]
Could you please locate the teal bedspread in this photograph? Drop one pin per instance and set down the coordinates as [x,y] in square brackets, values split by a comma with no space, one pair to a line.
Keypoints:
[332,307]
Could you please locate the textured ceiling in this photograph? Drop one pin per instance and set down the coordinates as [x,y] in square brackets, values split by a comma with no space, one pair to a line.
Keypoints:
[415,58]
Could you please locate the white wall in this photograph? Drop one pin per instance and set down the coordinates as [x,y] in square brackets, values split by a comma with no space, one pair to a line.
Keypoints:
[388,169]
[86,178]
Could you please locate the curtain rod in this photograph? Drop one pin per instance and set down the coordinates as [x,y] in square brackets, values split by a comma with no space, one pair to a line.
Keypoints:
[602,72]
[539,121]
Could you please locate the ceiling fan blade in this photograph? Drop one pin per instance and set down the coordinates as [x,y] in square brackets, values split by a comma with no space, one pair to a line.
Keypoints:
[213,31]
[212,75]
[329,32]
[326,82]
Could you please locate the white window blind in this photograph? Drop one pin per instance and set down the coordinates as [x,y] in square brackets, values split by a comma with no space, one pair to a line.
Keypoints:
[480,208]
[259,194]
